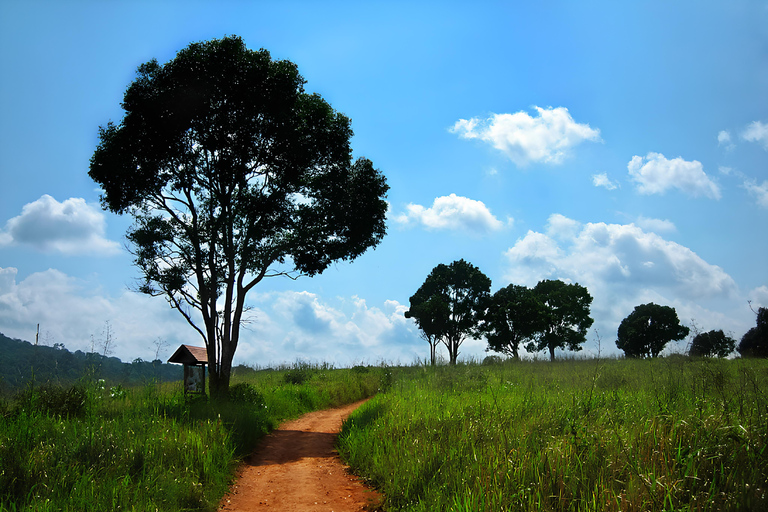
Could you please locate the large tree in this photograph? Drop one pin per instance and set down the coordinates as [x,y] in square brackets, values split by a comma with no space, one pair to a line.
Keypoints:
[449,305]
[565,319]
[233,173]
[754,343]
[712,344]
[647,330]
[514,315]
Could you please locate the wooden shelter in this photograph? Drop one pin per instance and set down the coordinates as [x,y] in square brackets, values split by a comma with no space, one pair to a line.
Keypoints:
[194,360]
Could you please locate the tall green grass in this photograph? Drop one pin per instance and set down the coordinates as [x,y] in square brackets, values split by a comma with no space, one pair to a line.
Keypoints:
[667,434]
[89,447]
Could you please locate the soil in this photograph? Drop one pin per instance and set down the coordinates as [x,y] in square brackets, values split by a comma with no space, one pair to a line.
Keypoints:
[296,468]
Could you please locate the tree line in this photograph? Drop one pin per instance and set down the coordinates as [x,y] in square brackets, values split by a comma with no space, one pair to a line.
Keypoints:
[25,363]
[455,303]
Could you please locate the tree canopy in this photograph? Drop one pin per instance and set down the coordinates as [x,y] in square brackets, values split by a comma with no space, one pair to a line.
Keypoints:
[449,305]
[565,316]
[712,344]
[233,173]
[647,330]
[514,315]
[754,343]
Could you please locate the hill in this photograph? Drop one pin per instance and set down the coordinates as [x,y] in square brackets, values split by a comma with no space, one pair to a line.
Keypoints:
[23,362]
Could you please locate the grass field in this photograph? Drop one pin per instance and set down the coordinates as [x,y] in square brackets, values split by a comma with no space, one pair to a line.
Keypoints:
[579,435]
[96,448]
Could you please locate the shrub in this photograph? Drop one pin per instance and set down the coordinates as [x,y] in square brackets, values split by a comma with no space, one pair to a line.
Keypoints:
[246,394]
[54,400]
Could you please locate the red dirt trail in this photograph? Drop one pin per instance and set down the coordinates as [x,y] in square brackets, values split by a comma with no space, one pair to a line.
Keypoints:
[296,468]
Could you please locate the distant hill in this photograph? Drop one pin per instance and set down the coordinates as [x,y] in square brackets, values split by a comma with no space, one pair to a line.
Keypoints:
[21,361]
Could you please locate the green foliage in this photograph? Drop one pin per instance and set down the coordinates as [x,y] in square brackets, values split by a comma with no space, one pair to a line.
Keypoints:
[588,435]
[450,303]
[647,330]
[244,393]
[149,448]
[514,315]
[54,400]
[712,344]
[25,364]
[232,172]
[754,343]
[564,316]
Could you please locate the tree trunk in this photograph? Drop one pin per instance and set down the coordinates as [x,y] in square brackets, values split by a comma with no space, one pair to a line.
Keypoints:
[551,353]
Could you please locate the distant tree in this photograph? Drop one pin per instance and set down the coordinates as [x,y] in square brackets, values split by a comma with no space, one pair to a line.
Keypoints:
[431,317]
[449,305]
[514,315]
[647,330]
[712,344]
[754,343]
[232,174]
[565,317]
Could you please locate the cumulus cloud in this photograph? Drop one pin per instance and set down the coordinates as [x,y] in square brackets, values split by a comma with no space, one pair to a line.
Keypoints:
[623,265]
[283,326]
[73,311]
[756,132]
[71,227]
[656,225]
[602,180]
[760,192]
[655,174]
[547,138]
[453,213]
[303,325]
[759,297]
[724,140]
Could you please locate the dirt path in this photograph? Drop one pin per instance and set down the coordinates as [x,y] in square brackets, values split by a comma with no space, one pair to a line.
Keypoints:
[296,468]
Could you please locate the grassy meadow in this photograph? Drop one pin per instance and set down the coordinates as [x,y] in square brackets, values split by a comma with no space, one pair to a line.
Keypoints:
[99,448]
[576,435]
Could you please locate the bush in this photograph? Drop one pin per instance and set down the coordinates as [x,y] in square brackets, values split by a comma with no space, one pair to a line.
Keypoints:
[297,375]
[54,400]
[246,394]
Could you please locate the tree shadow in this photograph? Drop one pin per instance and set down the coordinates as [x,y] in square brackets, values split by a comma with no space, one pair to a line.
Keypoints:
[285,446]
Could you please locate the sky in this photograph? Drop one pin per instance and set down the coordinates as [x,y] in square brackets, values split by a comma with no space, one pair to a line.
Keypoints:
[622,146]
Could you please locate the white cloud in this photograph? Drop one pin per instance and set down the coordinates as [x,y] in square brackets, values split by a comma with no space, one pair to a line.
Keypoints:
[283,326]
[759,297]
[302,325]
[656,225]
[724,140]
[71,227]
[454,213]
[560,226]
[756,132]
[759,191]
[655,174]
[623,266]
[547,138]
[72,311]
[602,180]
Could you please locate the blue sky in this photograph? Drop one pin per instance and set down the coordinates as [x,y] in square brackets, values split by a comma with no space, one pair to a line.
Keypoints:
[623,147]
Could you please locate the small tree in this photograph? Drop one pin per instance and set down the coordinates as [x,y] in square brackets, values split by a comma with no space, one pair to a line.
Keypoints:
[712,344]
[233,174]
[565,317]
[431,317]
[754,343]
[450,304]
[515,315]
[647,330]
